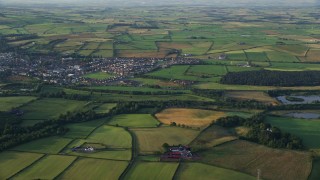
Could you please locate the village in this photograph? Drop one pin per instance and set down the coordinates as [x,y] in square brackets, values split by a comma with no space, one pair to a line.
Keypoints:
[66,71]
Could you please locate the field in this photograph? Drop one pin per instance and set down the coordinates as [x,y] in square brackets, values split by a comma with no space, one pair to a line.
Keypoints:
[308,130]
[48,167]
[98,75]
[82,130]
[45,145]
[192,171]
[7,103]
[251,95]
[134,120]
[248,157]
[105,108]
[13,162]
[189,117]
[315,174]
[152,170]
[44,109]
[150,140]
[212,136]
[86,168]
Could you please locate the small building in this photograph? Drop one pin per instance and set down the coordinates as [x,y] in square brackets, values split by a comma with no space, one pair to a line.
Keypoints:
[222,57]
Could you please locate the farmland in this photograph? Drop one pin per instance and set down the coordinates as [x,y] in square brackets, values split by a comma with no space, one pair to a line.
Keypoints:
[100,92]
[189,117]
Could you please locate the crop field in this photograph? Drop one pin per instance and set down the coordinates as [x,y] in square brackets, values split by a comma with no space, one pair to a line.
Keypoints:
[251,95]
[105,108]
[307,130]
[189,117]
[48,167]
[134,120]
[44,145]
[192,171]
[44,109]
[248,157]
[99,75]
[13,162]
[86,168]
[150,140]
[152,170]
[313,55]
[7,103]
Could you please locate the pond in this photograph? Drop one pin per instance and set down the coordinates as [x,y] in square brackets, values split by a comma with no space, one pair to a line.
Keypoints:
[304,115]
[305,99]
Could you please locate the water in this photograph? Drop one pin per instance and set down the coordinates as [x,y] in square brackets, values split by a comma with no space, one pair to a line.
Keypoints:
[304,115]
[307,99]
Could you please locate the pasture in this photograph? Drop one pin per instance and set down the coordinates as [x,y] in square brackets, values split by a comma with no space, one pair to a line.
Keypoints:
[134,120]
[189,117]
[307,130]
[7,103]
[150,140]
[251,95]
[48,167]
[104,108]
[13,162]
[152,170]
[247,157]
[86,168]
[82,130]
[98,75]
[190,171]
[51,145]
[44,109]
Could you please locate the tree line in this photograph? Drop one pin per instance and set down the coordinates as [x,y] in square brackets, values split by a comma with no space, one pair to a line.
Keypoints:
[273,78]
[261,132]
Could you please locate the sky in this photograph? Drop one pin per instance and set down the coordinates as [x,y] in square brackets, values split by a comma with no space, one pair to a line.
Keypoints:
[168,2]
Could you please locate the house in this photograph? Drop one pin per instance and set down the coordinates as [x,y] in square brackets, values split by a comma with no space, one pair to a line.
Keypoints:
[222,57]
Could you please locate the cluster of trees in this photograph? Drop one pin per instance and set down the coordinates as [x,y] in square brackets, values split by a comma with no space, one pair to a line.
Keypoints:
[262,133]
[62,94]
[273,78]
[4,75]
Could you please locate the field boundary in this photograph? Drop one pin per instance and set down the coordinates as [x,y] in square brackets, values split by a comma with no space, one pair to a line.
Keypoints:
[29,166]
[70,165]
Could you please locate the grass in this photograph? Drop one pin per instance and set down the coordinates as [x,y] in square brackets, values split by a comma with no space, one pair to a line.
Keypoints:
[251,95]
[199,70]
[277,56]
[82,130]
[134,120]
[161,83]
[189,117]
[86,168]
[50,108]
[248,157]
[105,108]
[307,130]
[47,168]
[315,174]
[13,162]
[46,145]
[195,170]
[212,136]
[150,140]
[152,170]
[99,75]
[112,137]
[7,103]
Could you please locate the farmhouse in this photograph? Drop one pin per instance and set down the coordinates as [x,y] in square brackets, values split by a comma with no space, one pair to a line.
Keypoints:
[177,152]
[222,57]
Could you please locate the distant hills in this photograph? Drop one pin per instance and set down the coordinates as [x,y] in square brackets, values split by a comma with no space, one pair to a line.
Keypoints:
[220,3]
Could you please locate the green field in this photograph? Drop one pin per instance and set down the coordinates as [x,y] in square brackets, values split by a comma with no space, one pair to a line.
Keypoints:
[7,103]
[44,109]
[105,108]
[82,130]
[44,145]
[99,75]
[134,120]
[190,171]
[48,167]
[315,174]
[150,140]
[307,130]
[86,168]
[152,170]
[13,162]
